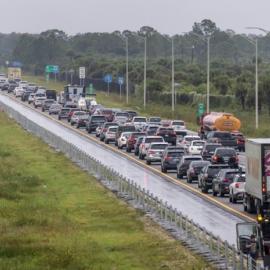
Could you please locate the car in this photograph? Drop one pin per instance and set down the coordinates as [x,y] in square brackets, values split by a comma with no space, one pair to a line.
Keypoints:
[18,91]
[138,122]
[75,116]
[108,113]
[120,120]
[194,169]
[132,139]
[47,104]
[206,176]
[63,113]
[5,86]
[126,114]
[170,158]
[23,83]
[98,130]
[179,127]
[221,183]
[237,188]
[131,113]
[38,101]
[104,128]
[31,86]
[240,140]
[70,104]
[165,123]
[145,144]
[11,88]
[54,109]
[168,134]
[93,121]
[25,95]
[122,140]
[71,111]
[186,142]
[151,130]
[195,147]
[31,98]
[110,134]
[121,129]
[137,145]
[208,150]
[80,121]
[95,107]
[225,155]
[154,119]
[183,165]
[155,151]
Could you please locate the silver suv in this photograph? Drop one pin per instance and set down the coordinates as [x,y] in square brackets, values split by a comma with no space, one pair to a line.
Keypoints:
[145,144]
[110,134]
[155,152]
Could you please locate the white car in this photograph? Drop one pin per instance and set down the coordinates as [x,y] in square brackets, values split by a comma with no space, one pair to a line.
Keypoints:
[38,101]
[110,134]
[237,188]
[138,122]
[23,84]
[18,91]
[179,127]
[122,140]
[188,139]
[195,147]
[31,98]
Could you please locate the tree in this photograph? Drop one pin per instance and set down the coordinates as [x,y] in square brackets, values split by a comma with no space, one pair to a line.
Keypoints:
[222,83]
[205,27]
[266,90]
[241,92]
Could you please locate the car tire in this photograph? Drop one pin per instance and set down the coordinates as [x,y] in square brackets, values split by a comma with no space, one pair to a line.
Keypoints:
[71,123]
[49,113]
[136,153]
[148,162]
[164,169]
[102,140]
[68,120]
[77,127]
[106,141]
[230,197]
[140,156]
[220,193]
[89,131]
[214,193]
[120,147]
[35,107]
[234,200]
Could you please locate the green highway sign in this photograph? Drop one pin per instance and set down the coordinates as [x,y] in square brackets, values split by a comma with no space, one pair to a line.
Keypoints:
[53,69]
[200,109]
[90,88]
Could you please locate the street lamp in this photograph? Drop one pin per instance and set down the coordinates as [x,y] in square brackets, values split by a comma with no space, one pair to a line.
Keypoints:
[255,43]
[207,40]
[171,40]
[144,87]
[71,74]
[126,40]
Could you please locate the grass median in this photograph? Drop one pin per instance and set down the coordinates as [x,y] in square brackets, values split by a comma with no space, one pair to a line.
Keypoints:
[55,216]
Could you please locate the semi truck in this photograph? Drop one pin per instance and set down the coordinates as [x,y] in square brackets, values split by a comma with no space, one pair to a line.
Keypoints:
[217,121]
[14,73]
[72,94]
[257,197]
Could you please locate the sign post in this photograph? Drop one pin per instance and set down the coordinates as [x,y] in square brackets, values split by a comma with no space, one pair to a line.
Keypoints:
[120,82]
[200,109]
[82,74]
[90,88]
[47,78]
[108,79]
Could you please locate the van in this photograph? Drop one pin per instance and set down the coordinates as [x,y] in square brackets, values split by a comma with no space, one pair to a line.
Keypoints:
[93,121]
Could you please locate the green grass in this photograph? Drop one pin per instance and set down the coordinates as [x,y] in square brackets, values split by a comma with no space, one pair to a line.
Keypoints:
[185,112]
[55,216]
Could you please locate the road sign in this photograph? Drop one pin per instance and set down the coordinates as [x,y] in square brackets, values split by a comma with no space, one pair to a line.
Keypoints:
[120,80]
[82,72]
[200,109]
[7,62]
[90,88]
[53,69]
[17,64]
[108,78]
[47,78]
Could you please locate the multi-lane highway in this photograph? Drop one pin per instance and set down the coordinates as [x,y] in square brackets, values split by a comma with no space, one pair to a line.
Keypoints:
[216,214]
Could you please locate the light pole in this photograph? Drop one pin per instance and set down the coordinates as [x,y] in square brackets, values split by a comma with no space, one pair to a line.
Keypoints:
[171,40]
[71,75]
[255,44]
[207,40]
[126,40]
[144,83]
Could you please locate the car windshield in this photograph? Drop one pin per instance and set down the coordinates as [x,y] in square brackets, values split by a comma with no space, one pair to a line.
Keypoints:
[82,116]
[214,169]
[159,146]
[178,123]
[98,120]
[198,143]
[189,139]
[149,140]
[107,111]
[56,106]
[230,175]
[226,152]
[136,135]
[155,119]
[189,160]
[176,154]
[152,128]
[211,148]
[121,118]
[140,119]
[222,135]
[113,129]
[79,113]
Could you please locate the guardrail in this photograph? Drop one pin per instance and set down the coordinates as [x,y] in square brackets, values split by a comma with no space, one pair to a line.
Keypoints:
[195,237]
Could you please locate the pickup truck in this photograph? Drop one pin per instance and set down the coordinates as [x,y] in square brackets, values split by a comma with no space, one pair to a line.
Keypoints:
[223,137]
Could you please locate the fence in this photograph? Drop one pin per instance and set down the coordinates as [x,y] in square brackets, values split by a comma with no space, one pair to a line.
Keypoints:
[203,242]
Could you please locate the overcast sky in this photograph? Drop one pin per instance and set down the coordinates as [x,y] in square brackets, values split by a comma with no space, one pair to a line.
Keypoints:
[166,16]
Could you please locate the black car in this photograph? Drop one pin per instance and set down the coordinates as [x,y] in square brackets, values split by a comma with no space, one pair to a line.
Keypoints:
[225,156]
[11,88]
[25,95]
[63,113]
[209,149]
[81,121]
[47,104]
[183,165]
[168,134]
[206,176]
[131,113]
[222,181]
[154,120]
[93,121]
[137,145]
[170,158]
[194,169]
[5,86]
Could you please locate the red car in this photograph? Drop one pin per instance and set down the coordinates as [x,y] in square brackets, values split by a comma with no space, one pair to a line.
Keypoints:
[132,140]
[108,113]
[71,111]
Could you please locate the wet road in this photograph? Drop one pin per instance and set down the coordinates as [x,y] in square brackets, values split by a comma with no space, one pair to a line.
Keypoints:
[215,214]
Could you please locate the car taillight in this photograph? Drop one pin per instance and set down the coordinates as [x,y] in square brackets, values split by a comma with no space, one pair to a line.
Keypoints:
[215,158]
[238,185]
[143,145]
[226,180]
[118,133]
[167,158]
[151,152]
[191,148]
[206,175]
[159,133]
[132,139]
[192,170]
[236,158]
[45,104]
[109,132]
[173,133]
[184,142]
[80,120]
[205,151]
[263,188]
[217,141]
[51,108]
[104,129]
[122,139]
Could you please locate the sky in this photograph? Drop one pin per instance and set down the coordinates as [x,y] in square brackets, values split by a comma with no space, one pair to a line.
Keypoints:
[166,16]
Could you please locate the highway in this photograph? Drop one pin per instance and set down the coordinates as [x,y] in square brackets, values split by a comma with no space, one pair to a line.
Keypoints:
[215,214]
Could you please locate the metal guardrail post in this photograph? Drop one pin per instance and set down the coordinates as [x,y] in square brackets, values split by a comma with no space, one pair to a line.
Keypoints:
[186,226]
[132,189]
[171,216]
[175,218]
[143,198]
[198,234]
[128,187]
[156,210]
[135,192]
[161,209]
[226,254]
[139,192]
[152,201]
[166,210]
[192,229]
[218,249]
[211,244]
[241,260]
[148,200]
[234,256]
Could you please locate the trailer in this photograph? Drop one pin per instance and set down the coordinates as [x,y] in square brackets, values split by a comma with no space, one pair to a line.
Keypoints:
[14,74]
